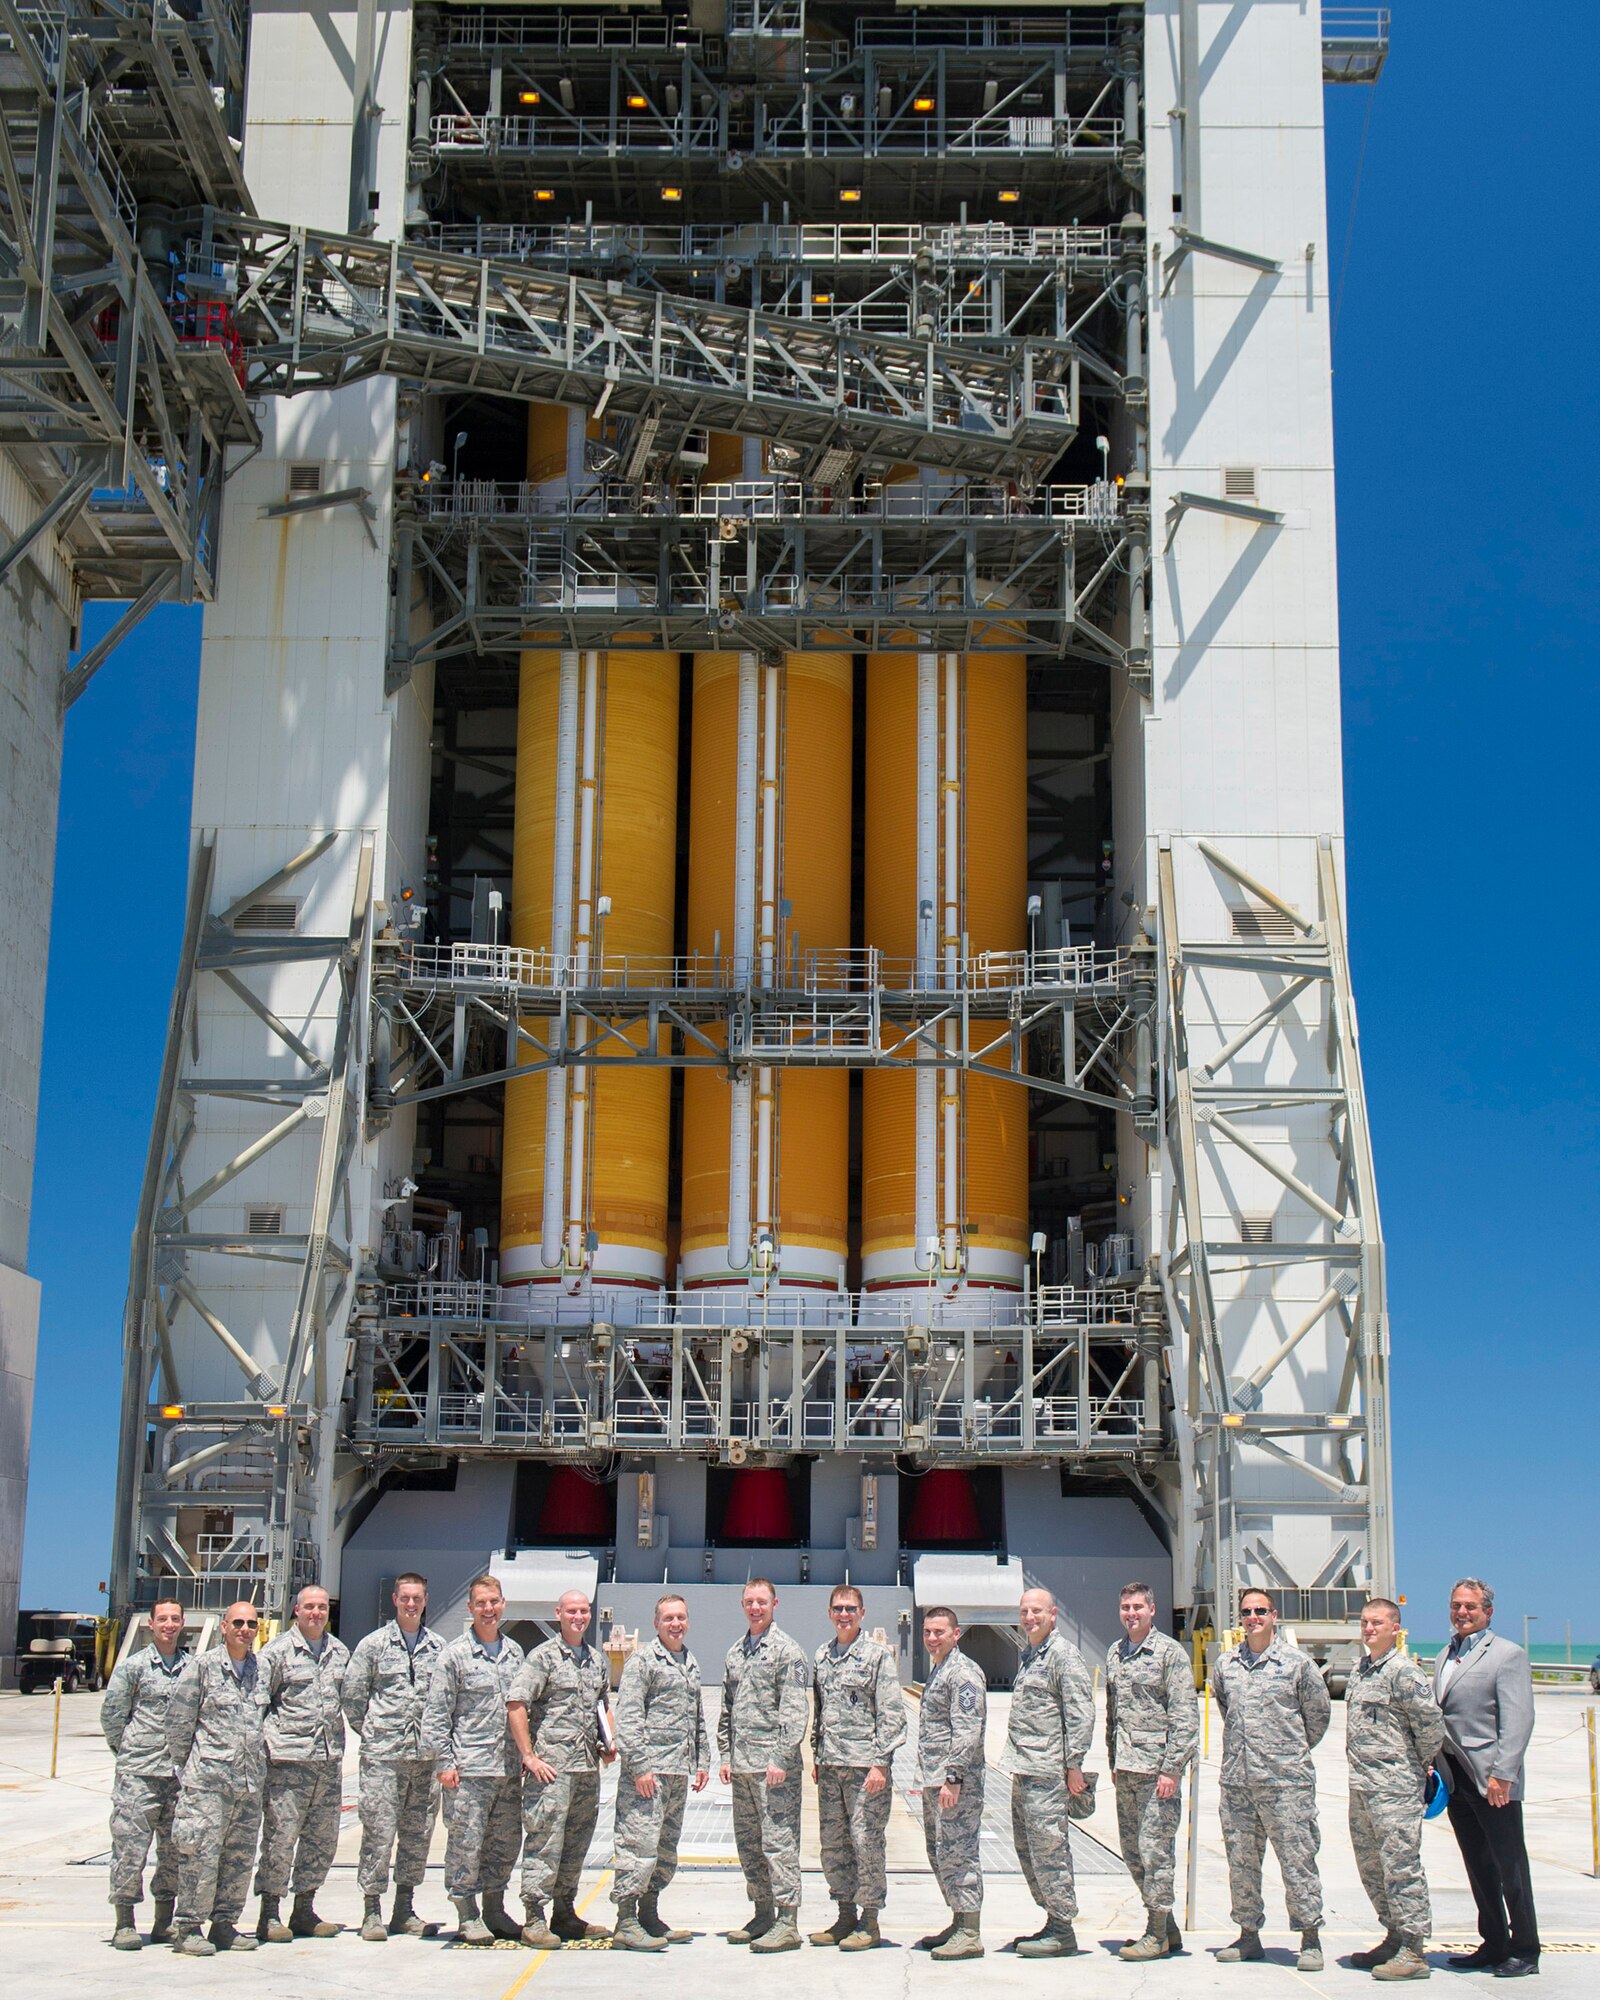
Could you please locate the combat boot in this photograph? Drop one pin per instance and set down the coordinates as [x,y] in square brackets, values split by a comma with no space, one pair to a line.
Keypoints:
[226,1938]
[934,1939]
[304,1921]
[963,1941]
[403,1920]
[496,1921]
[1059,1941]
[1310,1959]
[470,1927]
[1380,1954]
[186,1938]
[865,1935]
[161,1929]
[1154,1943]
[650,1922]
[569,1926]
[535,1931]
[629,1934]
[1407,1963]
[270,1928]
[784,1934]
[841,1927]
[125,1937]
[373,1928]
[1174,1936]
[756,1926]
[1028,1937]
[1246,1946]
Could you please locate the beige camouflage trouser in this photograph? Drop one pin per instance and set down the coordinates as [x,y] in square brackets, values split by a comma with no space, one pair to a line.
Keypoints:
[1285,1815]
[215,1833]
[141,1811]
[485,1830]
[647,1835]
[1148,1830]
[558,1821]
[766,1831]
[1039,1834]
[1386,1834]
[399,1804]
[952,1841]
[855,1833]
[299,1827]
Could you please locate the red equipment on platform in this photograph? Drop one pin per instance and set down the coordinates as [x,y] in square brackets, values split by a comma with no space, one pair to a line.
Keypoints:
[759,1508]
[574,1510]
[943,1510]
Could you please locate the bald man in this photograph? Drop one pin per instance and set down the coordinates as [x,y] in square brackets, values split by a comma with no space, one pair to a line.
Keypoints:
[1052,1727]
[553,1709]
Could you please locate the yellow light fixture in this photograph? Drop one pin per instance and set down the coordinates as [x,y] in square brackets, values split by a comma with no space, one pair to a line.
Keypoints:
[527,97]
[637,103]
[544,194]
[277,1410]
[1009,194]
[822,298]
[172,1411]
[1233,1422]
[924,104]
[849,194]
[672,194]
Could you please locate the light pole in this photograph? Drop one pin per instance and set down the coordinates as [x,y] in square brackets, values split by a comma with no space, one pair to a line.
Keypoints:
[1528,1618]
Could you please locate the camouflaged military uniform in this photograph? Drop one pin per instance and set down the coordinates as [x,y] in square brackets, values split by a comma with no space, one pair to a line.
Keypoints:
[561,1686]
[1275,1712]
[859,1721]
[300,1690]
[144,1792]
[385,1693]
[464,1730]
[1393,1729]
[1152,1727]
[763,1721]
[950,1724]
[661,1729]
[215,1725]
[1051,1732]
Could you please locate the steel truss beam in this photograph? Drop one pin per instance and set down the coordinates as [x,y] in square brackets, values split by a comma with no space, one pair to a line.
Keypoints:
[953,1378]
[1343,1452]
[108,392]
[319,310]
[260,1453]
[764,563]
[465,1017]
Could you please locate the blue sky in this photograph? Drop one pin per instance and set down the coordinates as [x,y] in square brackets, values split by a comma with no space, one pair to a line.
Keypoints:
[1468,521]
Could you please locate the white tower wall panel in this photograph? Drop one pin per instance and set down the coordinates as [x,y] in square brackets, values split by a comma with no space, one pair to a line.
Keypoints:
[1241,747]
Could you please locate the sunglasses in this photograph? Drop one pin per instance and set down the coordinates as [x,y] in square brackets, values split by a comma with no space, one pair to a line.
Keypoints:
[244,1624]
[1256,1614]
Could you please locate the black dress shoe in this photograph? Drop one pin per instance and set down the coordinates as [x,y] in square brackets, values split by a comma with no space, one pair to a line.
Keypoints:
[1481,1960]
[1516,1968]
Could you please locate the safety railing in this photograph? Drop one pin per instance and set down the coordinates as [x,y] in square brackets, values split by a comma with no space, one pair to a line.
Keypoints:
[1068,28]
[819,243]
[814,973]
[868,1319]
[797,129]
[775,498]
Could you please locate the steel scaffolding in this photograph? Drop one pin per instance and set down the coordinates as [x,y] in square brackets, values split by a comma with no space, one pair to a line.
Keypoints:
[145,308]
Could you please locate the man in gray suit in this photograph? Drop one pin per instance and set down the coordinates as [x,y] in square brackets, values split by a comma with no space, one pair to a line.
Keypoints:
[1485,1688]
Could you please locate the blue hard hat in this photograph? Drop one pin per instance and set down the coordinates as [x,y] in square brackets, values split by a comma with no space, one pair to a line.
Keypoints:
[1436,1795]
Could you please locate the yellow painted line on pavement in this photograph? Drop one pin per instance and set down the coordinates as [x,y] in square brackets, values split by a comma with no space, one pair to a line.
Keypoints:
[539,1957]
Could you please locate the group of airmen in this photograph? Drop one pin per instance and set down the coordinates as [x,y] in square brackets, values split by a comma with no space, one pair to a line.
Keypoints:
[216,1752]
